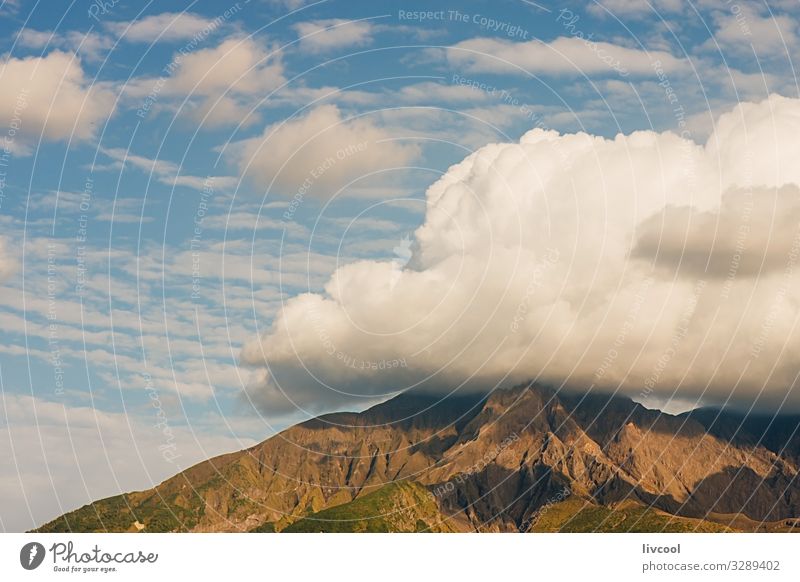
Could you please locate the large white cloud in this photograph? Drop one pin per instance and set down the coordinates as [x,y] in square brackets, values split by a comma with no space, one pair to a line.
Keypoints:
[52,96]
[645,263]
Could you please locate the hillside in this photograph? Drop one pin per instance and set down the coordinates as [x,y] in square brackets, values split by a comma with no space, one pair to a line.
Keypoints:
[472,463]
[397,507]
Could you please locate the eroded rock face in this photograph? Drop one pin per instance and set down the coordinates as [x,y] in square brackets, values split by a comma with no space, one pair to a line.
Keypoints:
[614,450]
[491,464]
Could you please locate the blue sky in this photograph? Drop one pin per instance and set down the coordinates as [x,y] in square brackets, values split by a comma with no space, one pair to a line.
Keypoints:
[153,215]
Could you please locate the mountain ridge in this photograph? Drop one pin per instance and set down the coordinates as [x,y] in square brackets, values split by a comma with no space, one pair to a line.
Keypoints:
[488,462]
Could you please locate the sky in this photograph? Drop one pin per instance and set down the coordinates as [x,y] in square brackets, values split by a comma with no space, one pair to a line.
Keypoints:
[218,219]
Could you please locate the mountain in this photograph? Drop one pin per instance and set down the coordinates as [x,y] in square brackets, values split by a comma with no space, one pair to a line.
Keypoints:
[403,506]
[524,459]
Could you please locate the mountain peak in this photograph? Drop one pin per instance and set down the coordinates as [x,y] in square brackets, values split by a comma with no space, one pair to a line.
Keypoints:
[484,462]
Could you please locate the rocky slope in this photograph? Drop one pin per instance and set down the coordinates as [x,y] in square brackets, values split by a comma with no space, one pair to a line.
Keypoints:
[496,463]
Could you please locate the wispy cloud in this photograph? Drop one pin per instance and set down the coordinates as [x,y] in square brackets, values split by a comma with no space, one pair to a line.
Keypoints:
[318,36]
[166,172]
[164,27]
[566,55]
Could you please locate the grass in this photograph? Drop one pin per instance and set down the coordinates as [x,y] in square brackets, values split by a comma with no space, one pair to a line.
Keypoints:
[117,514]
[580,516]
[397,507]
[107,515]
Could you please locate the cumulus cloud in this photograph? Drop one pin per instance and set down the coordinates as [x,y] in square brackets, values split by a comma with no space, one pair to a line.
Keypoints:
[168,26]
[218,85]
[320,153]
[89,46]
[51,96]
[571,55]
[645,263]
[751,234]
[319,36]
[238,65]
[744,30]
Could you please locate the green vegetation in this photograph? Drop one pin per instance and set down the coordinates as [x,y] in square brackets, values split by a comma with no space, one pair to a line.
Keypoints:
[118,514]
[578,515]
[112,515]
[398,507]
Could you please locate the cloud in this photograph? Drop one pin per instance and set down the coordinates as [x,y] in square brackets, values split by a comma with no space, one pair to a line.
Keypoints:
[750,143]
[321,152]
[565,55]
[238,65]
[165,27]
[318,36]
[636,8]
[89,46]
[750,235]
[30,38]
[576,260]
[12,6]
[8,262]
[168,172]
[52,96]
[745,30]
[428,92]
[60,457]
[219,85]
[289,4]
